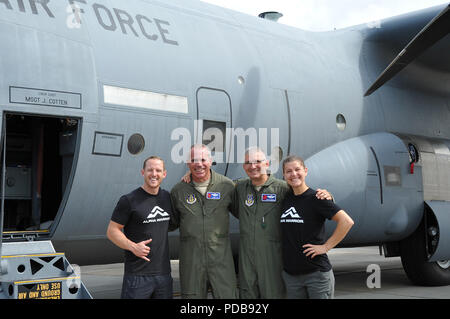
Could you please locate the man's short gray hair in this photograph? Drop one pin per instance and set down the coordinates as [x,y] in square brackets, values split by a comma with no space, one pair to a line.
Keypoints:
[255,149]
[202,146]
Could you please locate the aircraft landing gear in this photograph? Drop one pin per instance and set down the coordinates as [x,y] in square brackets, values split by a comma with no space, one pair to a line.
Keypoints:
[415,251]
[444,264]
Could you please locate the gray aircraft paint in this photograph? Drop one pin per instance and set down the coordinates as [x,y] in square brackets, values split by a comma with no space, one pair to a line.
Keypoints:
[294,80]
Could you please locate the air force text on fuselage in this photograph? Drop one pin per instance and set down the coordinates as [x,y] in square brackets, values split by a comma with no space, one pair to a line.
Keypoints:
[110,19]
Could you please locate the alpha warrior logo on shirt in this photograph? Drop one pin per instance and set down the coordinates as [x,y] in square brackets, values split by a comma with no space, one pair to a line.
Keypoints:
[157,215]
[291,216]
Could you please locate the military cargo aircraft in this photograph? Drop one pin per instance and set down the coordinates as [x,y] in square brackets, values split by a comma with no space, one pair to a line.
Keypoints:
[90,88]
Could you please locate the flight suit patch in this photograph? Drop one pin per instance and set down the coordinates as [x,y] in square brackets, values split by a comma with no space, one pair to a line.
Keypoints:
[191,199]
[250,200]
[271,198]
[213,195]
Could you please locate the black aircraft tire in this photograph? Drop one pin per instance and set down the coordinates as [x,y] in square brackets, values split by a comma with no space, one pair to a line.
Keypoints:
[418,270]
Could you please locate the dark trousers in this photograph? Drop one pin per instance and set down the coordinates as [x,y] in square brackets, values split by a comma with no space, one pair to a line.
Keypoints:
[147,287]
[315,285]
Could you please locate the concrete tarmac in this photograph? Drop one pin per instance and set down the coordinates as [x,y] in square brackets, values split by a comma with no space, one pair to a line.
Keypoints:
[353,278]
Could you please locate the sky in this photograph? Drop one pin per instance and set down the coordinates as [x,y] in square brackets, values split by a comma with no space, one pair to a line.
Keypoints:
[323,15]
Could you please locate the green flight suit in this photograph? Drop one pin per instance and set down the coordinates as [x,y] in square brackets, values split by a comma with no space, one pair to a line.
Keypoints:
[260,259]
[205,248]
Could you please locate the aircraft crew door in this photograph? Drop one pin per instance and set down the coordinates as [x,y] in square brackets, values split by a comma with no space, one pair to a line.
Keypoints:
[214,117]
[2,181]
[38,156]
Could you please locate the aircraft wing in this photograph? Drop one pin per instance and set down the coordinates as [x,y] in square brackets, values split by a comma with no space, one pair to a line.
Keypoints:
[392,30]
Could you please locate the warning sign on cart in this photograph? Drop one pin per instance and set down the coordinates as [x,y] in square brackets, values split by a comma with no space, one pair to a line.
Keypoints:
[48,290]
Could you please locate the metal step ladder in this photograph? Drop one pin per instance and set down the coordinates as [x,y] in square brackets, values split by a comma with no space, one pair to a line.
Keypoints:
[33,270]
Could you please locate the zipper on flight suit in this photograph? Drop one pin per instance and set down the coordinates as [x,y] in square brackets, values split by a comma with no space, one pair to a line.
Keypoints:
[202,202]
[202,199]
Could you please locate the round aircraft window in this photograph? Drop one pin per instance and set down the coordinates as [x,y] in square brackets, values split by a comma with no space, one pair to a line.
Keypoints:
[136,144]
[341,123]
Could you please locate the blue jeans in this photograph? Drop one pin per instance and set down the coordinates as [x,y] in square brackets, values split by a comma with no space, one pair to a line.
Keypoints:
[147,287]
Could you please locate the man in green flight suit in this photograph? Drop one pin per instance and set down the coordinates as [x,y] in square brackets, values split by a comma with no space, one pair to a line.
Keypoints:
[202,208]
[258,201]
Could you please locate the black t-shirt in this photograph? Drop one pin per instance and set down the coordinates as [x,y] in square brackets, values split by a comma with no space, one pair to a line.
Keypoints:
[146,216]
[303,222]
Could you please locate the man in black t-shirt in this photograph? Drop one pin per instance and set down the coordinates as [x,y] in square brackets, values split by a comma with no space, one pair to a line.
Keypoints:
[139,225]
[307,269]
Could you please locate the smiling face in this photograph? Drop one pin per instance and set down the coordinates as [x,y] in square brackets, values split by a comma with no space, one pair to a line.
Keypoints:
[200,163]
[153,173]
[295,173]
[255,165]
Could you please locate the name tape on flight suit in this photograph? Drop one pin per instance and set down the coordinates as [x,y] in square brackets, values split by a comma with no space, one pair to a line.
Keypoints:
[213,195]
[269,198]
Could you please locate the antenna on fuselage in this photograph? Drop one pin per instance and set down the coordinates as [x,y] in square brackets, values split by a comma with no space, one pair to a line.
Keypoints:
[270,15]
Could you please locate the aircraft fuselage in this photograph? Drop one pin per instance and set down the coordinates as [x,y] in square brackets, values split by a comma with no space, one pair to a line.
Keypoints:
[132,79]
